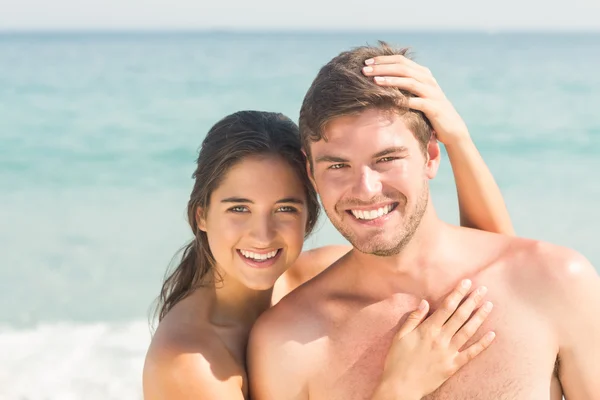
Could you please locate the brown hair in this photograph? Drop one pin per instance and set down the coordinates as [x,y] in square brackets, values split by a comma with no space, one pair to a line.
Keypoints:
[239,135]
[341,89]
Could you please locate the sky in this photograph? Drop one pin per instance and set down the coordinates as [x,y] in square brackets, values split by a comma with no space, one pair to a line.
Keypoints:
[299,15]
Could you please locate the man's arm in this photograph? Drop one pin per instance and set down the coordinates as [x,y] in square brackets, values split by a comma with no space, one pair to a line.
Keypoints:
[577,313]
[276,366]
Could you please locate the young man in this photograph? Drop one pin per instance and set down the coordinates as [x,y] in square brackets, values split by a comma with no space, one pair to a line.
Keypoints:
[372,151]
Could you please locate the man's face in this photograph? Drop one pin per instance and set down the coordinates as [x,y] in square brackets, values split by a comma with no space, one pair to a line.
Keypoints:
[372,178]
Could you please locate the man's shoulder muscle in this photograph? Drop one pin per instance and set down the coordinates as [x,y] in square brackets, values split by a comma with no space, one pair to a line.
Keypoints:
[568,293]
[278,364]
[546,266]
[282,354]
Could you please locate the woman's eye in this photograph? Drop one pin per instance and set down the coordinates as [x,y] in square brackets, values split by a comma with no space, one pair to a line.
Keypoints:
[238,209]
[287,209]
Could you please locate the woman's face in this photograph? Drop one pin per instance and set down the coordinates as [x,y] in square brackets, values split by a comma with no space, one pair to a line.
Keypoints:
[256,221]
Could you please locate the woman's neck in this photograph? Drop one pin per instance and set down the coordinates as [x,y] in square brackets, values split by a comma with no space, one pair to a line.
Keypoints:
[235,305]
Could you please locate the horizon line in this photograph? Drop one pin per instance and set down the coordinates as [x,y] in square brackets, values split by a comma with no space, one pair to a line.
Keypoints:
[323,31]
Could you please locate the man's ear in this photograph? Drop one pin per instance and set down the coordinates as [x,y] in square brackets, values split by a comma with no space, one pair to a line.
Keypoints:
[433,157]
[309,170]
[200,219]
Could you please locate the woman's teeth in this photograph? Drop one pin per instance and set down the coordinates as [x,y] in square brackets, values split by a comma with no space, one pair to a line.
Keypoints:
[258,257]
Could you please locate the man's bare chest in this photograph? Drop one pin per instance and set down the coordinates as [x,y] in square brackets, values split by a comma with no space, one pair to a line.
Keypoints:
[519,364]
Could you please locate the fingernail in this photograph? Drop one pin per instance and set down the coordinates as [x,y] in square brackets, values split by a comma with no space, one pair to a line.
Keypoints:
[379,79]
[491,335]
[368,69]
[369,61]
[422,305]
[482,290]
[487,307]
[466,283]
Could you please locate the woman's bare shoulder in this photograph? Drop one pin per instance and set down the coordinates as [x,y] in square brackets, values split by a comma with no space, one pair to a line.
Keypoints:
[310,264]
[186,361]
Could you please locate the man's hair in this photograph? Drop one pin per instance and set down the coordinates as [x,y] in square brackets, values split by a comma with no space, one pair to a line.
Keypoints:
[340,89]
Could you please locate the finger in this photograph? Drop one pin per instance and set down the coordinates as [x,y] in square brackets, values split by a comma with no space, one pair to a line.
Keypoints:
[423,105]
[468,330]
[396,59]
[399,70]
[408,84]
[474,350]
[414,319]
[451,303]
[464,312]
[393,59]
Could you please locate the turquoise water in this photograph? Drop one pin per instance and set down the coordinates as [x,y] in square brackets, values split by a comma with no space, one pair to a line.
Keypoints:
[98,135]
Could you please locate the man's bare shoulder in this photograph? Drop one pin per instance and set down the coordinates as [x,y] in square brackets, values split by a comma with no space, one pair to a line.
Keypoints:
[186,363]
[287,331]
[546,273]
[529,259]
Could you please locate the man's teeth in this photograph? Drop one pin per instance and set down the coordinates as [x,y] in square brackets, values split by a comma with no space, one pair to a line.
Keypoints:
[258,257]
[372,214]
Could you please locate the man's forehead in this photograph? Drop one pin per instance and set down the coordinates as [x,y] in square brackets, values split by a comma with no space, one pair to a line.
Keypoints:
[369,121]
[358,132]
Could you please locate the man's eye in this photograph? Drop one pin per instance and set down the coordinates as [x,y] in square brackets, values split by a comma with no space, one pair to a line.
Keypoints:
[238,209]
[337,166]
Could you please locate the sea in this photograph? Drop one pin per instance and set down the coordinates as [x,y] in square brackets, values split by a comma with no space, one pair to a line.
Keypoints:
[99,132]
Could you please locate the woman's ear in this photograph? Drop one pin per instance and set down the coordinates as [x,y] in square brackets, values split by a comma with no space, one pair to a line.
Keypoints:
[201,219]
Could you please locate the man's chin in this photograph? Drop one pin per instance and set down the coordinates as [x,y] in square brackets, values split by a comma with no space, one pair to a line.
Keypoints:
[370,246]
[378,251]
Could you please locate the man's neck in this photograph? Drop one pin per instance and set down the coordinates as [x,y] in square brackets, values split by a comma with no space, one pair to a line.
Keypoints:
[418,268]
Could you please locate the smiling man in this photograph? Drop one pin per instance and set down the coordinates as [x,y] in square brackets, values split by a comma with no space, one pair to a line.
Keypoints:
[372,153]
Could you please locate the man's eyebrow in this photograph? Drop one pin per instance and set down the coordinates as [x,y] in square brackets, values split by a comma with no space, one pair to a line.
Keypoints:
[327,158]
[391,150]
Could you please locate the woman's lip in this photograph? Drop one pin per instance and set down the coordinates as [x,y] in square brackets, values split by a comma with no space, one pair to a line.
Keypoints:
[262,251]
[260,264]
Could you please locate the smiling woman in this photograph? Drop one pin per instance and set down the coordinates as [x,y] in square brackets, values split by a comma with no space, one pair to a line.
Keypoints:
[240,156]
[250,210]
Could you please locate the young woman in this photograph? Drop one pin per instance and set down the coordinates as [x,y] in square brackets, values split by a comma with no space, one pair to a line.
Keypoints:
[250,210]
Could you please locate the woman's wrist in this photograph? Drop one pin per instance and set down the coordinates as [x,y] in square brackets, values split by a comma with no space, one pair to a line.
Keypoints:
[391,389]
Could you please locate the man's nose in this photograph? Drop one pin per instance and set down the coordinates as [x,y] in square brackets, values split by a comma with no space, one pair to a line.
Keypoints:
[367,184]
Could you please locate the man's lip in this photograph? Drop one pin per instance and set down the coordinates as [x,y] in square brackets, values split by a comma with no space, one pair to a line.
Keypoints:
[372,207]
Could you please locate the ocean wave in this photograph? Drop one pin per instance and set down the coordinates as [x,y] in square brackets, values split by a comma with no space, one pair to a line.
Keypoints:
[73,361]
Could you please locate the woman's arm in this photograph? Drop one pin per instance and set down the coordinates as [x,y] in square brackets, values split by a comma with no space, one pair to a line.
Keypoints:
[310,264]
[480,200]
